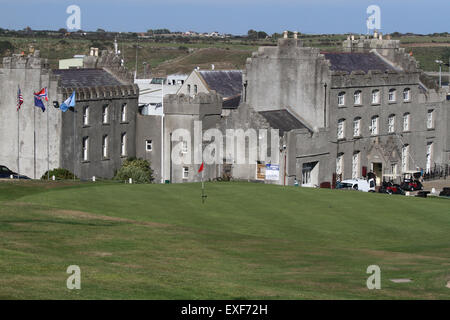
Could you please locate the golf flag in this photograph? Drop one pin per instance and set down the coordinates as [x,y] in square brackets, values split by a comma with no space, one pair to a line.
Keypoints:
[19,98]
[69,103]
[201,168]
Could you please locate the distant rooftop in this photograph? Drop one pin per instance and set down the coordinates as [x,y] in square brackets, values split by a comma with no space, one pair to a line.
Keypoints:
[356,61]
[81,78]
[227,83]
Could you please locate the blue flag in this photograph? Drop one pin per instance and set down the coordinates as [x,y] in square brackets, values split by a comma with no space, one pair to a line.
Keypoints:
[70,102]
[38,103]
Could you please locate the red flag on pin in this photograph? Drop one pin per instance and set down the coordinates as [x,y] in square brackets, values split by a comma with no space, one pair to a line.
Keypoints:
[201,168]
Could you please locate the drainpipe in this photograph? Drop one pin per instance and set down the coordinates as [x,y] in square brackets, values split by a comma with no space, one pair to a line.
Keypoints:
[325,106]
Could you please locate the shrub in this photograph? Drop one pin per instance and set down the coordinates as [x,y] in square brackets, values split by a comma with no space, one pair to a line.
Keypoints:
[60,174]
[137,169]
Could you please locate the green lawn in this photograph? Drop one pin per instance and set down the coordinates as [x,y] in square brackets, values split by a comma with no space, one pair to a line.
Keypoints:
[249,241]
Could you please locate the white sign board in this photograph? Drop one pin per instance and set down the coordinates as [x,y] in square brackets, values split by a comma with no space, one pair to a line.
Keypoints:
[272,172]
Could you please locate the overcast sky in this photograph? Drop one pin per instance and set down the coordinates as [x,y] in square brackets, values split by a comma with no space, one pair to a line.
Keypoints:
[230,16]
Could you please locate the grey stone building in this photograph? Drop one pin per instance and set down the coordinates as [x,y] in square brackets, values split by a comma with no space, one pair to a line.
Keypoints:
[92,141]
[345,114]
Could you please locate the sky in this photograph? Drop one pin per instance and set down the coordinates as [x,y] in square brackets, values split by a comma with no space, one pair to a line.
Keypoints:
[230,16]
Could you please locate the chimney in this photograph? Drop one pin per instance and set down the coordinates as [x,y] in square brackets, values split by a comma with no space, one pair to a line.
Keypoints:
[285,34]
[296,35]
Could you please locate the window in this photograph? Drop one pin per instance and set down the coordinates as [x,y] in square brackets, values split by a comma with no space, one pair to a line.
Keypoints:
[406,120]
[405,155]
[392,95]
[429,156]
[105,114]
[355,165]
[148,145]
[391,123]
[375,96]
[340,164]
[341,99]
[195,89]
[86,116]
[189,89]
[123,145]
[430,119]
[185,172]
[184,147]
[105,146]
[123,113]
[357,127]
[341,129]
[394,170]
[357,98]
[407,94]
[374,125]
[85,148]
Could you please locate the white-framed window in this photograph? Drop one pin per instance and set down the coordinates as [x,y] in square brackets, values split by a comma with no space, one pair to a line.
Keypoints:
[184,146]
[429,156]
[394,169]
[86,116]
[105,114]
[391,123]
[189,89]
[148,145]
[430,119]
[392,97]
[340,164]
[85,148]
[123,113]
[357,127]
[195,89]
[185,172]
[341,99]
[376,96]
[374,125]
[355,165]
[341,129]
[407,94]
[357,97]
[405,155]
[406,120]
[105,147]
[123,144]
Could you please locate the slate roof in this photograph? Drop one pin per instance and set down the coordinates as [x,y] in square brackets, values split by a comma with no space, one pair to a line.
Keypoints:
[81,78]
[282,120]
[356,61]
[228,83]
[232,103]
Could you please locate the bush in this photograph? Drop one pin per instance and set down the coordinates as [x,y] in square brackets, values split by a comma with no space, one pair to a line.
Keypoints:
[60,174]
[137,169]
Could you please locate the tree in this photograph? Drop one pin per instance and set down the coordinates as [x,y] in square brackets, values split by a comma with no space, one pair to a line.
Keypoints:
[137,169]
[252,34]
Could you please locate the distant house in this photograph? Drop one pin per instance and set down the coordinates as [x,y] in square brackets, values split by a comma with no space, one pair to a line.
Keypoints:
[227,83]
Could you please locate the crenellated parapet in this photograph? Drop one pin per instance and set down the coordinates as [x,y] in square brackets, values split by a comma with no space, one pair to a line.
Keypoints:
[20,61]
[101,92]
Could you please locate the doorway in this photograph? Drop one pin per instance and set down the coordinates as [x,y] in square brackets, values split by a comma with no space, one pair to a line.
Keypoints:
[377,168]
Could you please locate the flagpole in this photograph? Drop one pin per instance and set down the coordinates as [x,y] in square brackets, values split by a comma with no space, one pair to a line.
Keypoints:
[18,139]
[34,139]
[48,143]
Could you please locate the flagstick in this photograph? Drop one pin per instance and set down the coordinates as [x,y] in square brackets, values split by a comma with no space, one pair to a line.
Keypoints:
[48,143]
[34,139]
[18,142]
[203,188]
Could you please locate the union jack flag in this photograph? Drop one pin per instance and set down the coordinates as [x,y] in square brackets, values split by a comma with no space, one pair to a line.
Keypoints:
[19,98]
[42,94]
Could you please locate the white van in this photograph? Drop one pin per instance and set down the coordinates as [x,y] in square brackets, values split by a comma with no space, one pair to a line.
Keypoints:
[358,184]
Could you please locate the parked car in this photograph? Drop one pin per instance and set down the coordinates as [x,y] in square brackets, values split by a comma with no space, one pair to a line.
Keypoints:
[391,188]
[411,185]
[5,173]
[357,184]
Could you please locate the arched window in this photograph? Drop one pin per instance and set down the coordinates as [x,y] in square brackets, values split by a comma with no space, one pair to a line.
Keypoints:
[407,94]
[392,97]
[123,144]
[355,165]
[376,96]
[357,97]
[341,129]
[406,121]
[341,99]
[105,147]
[123,113]
[374,125]
[340,164]
[391,123]
[357,127]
